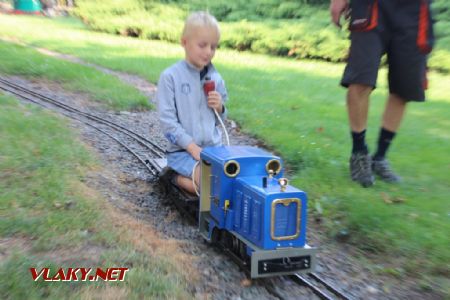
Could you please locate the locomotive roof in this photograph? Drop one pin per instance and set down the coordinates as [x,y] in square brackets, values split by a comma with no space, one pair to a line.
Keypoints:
[224,153]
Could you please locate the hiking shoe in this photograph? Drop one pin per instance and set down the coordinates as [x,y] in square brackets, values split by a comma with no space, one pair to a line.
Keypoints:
[384,171]
[361,169]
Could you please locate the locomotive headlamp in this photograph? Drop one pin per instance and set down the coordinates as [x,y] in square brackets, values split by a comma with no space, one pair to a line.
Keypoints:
[283,182]
[231,168]
[273,167]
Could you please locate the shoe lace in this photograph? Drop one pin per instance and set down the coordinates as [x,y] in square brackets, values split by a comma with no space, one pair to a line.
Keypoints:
[363,162]
[385,168]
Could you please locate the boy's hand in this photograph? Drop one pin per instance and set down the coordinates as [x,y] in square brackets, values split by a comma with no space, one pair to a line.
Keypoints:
[194,150]
[215,101]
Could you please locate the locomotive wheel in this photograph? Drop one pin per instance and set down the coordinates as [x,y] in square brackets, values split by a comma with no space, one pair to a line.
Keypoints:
[216,235]
[227,240]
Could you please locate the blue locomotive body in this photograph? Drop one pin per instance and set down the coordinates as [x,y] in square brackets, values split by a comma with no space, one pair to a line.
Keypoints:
[245,198]
[268,218]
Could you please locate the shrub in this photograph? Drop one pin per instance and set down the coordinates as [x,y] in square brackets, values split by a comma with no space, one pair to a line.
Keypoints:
[299,29]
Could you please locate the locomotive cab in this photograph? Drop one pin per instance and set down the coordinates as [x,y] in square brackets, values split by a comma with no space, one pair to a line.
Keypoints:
[247,205]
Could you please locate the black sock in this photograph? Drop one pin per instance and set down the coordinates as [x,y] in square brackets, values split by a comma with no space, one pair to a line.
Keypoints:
[384,141]
[359,142]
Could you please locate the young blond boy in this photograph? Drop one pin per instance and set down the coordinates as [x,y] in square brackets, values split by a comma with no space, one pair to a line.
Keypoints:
[186,114]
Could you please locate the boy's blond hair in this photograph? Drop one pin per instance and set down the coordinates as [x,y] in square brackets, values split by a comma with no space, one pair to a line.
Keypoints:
[200,19]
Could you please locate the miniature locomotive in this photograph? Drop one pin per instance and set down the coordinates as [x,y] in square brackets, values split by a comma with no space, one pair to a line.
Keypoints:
[248,207]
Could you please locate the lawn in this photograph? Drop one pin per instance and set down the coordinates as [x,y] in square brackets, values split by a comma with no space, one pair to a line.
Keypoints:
[298,109]
[50,218]
[103,88]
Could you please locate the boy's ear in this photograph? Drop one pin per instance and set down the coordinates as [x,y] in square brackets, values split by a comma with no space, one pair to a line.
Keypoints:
[183,41]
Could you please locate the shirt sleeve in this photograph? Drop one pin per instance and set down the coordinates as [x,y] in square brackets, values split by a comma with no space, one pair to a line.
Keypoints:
[167,111]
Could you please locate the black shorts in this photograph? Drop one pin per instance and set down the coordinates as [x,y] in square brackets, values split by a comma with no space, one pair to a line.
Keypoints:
[400,28]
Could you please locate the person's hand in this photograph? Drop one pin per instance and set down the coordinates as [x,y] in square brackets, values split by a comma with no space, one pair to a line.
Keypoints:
[215,101]
[337,9]
[194,150]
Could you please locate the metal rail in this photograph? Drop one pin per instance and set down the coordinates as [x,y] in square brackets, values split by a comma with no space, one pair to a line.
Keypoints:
[300,279]
[150,145]
[155,148]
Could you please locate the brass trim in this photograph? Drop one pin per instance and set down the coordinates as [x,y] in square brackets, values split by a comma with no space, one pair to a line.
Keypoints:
[226,205]
[285,202]
[274,172]
[238,168]
[283,182]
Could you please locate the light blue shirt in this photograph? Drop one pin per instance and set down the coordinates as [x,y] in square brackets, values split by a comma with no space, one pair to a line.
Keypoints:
[182,107]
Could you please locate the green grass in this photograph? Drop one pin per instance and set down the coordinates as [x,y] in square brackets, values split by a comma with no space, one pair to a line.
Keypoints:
[300,111]
[298,108]
[106,89]
[45,215]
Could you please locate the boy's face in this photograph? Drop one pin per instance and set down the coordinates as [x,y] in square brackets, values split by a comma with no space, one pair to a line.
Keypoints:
[200,46]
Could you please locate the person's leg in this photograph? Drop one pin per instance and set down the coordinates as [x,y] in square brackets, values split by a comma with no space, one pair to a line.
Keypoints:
[357,108]
[393,112]
[183,164]
[407,79]
[392,117]
[360,78]
[187,184]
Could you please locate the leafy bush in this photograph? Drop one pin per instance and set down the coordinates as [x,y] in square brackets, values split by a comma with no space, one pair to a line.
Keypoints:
[299,29]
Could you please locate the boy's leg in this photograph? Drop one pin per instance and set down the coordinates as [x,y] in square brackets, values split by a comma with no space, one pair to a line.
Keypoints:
[186,182]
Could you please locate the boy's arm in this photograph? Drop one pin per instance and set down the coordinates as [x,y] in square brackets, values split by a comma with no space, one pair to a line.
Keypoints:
[167,111]
[194,150]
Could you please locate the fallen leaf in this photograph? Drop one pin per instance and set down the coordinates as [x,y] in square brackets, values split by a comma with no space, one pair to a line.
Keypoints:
[68,204]
[386,198]
[399,200]
[413,215]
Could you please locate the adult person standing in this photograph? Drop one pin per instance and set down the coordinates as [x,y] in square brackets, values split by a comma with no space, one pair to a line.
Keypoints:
[402,29]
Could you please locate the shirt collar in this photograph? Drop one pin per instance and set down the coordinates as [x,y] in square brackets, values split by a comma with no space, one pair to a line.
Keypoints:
[191,67]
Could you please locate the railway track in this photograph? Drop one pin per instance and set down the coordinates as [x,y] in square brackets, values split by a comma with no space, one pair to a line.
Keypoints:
[314,282]
[134,143]
[148,153]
